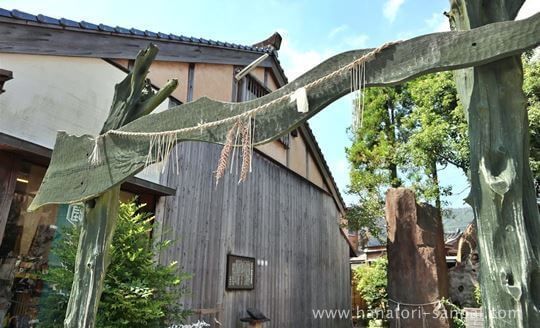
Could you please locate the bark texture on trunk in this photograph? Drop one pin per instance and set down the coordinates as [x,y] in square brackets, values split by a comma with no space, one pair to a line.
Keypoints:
[502,190]
[92,259]
[133,98]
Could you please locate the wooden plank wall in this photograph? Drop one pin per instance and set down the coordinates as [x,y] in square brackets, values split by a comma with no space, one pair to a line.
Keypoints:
[8,176]
[274,216]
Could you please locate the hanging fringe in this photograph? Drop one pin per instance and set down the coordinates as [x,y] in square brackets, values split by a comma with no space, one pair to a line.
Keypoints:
[358,82]
[163,142]
[96,157]
[225,152]
[159,148]
[246,151]
[243,131]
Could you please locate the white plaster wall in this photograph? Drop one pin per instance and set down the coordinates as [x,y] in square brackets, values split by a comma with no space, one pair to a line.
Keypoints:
[52,93]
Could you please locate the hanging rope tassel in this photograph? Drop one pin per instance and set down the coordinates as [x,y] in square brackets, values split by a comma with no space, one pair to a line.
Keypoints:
[358,82]
[162,143]
[225,153]
[96,157]
[246,151]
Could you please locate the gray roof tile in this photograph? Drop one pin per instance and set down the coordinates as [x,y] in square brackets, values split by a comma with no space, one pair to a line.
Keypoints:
[22,15]
[48,20]
[5,13]
[121,30]
[106,28]
[69,23]
[150,34]
[89,26]
[133,31]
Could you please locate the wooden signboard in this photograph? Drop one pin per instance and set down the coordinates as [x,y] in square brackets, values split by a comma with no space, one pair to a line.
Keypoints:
[240,273]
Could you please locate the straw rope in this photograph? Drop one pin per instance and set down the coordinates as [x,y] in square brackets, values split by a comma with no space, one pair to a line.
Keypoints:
[162,142]
[367,57]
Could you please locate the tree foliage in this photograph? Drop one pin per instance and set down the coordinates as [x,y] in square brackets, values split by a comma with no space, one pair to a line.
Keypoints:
[371,283]
[138,292]
[411,131]
[407,134]
[373,156]
[531,87]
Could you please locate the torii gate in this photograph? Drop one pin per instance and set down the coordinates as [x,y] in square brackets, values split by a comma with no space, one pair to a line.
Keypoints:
[502,192]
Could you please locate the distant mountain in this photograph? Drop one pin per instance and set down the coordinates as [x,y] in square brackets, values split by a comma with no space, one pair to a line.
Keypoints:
[457,218]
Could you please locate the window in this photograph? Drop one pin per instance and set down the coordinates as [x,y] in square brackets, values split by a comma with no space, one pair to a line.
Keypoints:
[249,88]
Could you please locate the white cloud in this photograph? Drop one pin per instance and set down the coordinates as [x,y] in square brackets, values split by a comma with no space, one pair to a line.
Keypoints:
[437,23]
[357,42]
[530,7]
[391,8]
[297,61]
[337,30]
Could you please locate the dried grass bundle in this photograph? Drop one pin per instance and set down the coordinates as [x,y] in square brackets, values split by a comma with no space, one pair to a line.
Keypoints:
[246,151]
[226,152]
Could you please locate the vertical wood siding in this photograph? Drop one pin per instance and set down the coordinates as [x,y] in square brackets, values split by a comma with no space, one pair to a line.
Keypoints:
[273,216]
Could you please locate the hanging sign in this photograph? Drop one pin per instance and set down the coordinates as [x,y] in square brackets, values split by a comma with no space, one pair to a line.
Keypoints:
[240,272]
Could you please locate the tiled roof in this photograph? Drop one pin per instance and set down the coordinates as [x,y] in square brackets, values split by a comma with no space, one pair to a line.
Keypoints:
[86,26]
[452,236]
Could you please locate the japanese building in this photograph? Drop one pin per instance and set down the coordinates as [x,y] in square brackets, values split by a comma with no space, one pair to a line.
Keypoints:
[283,222]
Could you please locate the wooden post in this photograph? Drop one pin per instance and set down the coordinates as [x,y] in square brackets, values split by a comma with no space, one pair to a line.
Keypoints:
[92,259]
[133,98]
[9,165]
[502,190]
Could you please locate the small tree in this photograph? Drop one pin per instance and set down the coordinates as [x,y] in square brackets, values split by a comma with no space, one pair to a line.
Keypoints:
[138,292]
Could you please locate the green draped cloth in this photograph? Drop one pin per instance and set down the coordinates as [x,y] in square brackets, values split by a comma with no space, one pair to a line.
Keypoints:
[72,178]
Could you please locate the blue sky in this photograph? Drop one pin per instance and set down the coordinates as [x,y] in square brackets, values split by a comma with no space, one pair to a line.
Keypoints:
[312,31]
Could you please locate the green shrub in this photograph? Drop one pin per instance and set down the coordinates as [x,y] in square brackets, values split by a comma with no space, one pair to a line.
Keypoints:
[372,282]
[457,314]
[478,295]
[137,291]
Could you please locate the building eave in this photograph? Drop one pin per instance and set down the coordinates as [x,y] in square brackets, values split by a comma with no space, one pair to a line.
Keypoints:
[42,35]
[318,156]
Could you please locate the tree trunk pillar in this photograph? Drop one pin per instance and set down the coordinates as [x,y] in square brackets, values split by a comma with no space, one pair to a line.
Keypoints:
[92,259]
[502,189]
[417,273]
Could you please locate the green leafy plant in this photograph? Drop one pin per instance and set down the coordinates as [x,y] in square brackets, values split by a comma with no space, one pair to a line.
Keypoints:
[408,133]
[478,295]
[457,314]
[372,284]
[138,291]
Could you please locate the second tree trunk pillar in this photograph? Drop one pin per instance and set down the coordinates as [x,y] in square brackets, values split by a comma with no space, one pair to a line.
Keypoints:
[417,272]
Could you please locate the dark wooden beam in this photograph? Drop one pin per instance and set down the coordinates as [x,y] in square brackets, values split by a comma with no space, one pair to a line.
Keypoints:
[27,38]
